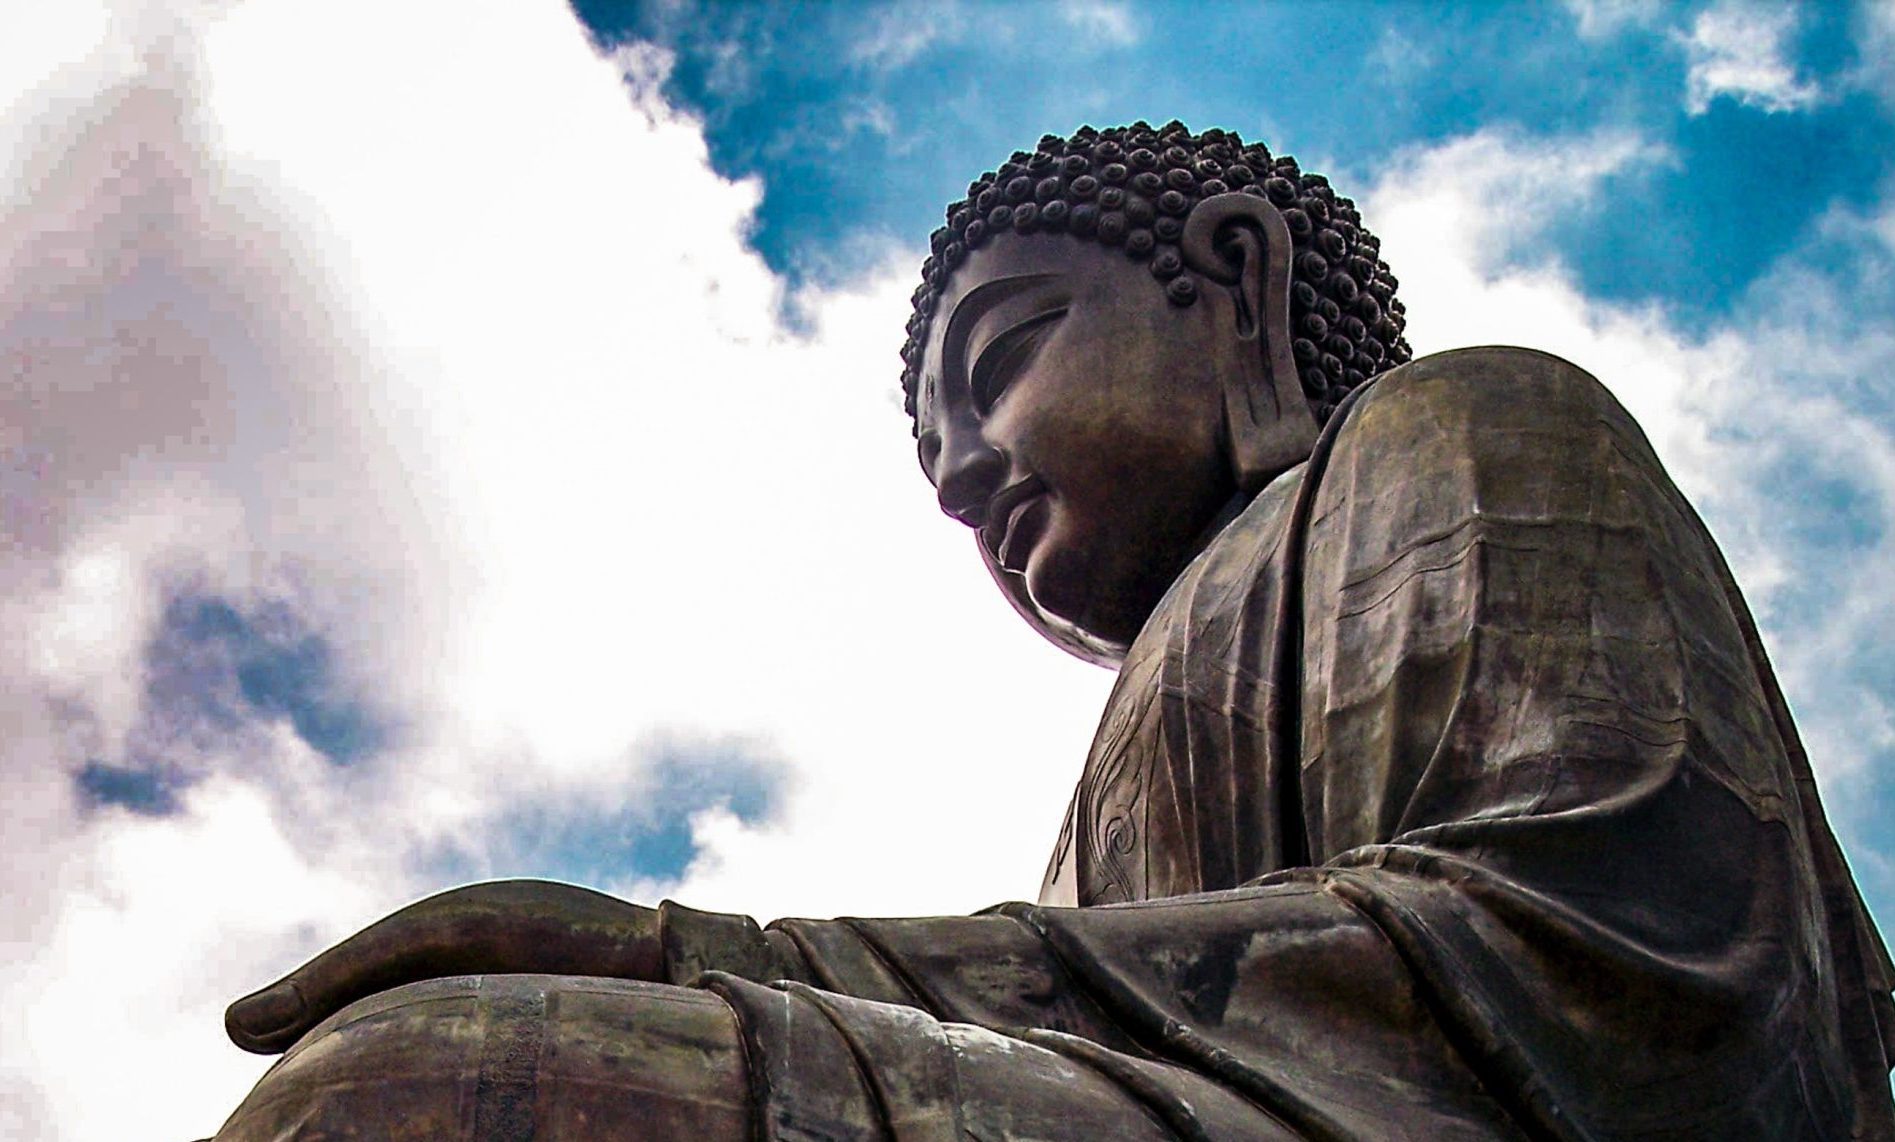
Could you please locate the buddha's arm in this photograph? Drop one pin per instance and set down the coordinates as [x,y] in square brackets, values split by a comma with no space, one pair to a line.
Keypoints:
[1283,997]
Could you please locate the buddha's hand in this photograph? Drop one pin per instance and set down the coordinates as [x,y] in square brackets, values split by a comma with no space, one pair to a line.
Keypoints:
[500,927]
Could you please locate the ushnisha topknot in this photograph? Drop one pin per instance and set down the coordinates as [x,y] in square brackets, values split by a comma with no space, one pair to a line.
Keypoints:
[1132,187]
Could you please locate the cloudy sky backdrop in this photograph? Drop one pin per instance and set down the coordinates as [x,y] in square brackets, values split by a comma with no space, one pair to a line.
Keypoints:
[448,439]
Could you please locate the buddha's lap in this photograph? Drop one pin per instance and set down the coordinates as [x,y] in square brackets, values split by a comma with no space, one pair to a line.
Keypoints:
[573,1059]
[509,1056]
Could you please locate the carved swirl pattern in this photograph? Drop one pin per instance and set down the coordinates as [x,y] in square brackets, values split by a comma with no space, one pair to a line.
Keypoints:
[1112,794]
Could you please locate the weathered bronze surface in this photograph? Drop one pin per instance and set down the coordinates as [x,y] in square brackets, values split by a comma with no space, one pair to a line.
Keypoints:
[1445,792]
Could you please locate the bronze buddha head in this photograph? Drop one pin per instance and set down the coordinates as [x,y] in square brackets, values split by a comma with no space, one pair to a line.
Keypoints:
[1120,336]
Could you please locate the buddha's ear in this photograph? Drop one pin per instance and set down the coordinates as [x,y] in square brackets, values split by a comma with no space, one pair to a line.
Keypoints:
[1240,242]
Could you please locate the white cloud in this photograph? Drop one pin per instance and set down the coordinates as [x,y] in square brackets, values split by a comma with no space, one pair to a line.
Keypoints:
[1480,198]
[432,326]
[1874,33]
[1398,57]
[218,896]
[898,33]
[1602,19]
[1105,22]
[1738,48]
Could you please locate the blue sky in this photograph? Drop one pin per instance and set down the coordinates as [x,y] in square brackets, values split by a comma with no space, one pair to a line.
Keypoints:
[458,439]
[864,120]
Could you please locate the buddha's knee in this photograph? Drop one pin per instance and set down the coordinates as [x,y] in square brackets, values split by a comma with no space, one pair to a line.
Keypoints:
[509,1057]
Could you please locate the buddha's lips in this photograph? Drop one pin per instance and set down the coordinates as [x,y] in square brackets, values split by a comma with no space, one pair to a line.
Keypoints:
[1008,508]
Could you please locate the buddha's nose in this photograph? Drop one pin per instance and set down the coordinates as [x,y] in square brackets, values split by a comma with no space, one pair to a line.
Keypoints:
[968,478]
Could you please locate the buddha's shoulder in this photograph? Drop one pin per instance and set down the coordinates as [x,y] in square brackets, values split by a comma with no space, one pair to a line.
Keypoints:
[1488,392]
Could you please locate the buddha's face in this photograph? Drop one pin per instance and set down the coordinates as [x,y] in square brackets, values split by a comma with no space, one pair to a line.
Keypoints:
[1074,417]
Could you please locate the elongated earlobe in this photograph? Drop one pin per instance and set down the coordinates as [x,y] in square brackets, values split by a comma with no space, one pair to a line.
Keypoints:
[1240,242]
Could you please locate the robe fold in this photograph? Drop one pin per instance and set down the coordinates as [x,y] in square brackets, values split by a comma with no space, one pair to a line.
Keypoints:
[1448,794]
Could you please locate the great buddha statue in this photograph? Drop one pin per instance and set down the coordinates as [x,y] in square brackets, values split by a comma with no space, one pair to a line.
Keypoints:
[1445,790]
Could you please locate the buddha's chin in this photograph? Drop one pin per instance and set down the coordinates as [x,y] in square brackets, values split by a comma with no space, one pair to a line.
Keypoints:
[1065,584]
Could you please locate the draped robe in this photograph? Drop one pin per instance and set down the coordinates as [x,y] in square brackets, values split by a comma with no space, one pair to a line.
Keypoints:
[1447,794]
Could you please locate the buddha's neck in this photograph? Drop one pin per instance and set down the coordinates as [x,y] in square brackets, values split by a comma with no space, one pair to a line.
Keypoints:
[1232,508]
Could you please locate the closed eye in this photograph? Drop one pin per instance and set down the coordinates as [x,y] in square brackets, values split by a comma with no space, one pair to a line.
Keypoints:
[1005,356]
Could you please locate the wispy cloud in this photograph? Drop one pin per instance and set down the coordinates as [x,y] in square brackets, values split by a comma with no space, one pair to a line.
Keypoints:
[1740,49]
[1481,198]
[637,837]
[1602,19]
[1105,22]
[1398,57]
[1874,26]
[897,34]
